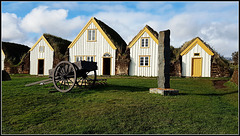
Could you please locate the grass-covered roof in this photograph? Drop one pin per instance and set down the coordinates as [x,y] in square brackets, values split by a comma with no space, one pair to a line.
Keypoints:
[113,36]
[154,33]
[14,52]
[57,43]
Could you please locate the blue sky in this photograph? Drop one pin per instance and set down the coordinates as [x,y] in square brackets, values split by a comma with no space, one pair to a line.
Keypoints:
[217,23]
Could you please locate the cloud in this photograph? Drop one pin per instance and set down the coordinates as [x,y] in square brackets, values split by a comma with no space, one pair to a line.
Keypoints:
[10,27]
[127,24]
[40,20]
[223,37]
[43,20]
[154,7]
[216,24]
[219,31]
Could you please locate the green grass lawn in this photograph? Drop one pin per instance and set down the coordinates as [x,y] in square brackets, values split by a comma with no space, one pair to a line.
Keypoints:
[124,106]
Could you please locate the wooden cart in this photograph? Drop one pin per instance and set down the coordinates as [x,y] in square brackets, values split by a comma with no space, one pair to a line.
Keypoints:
[66,75]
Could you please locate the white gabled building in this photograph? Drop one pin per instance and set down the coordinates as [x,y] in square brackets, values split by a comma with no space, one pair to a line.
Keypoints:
[42,54]
[196,59]
[2,58]
[99,43]
[41,57]
[144,53]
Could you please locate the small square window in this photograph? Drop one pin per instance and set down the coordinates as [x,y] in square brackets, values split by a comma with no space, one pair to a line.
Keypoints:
[196,54]
[91,35]
[41,49]
[141,61]
[79,58]
[90,58]
[144,42]
[144,61]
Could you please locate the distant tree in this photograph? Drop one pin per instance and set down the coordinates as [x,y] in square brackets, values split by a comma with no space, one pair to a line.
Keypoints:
[235,57]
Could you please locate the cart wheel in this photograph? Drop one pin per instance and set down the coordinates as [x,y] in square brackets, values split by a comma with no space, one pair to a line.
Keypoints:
[64,77]
[87,80]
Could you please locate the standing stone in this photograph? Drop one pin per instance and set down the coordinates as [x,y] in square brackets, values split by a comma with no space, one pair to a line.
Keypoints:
[164,59]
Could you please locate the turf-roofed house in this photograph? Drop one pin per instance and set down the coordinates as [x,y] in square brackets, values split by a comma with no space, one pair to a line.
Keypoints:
[144,53]
[200,60]
[46,53]
[99,43]
[16,58]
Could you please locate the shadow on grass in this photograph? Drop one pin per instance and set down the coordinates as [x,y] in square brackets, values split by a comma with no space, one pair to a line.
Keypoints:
[210,94]
[109,87]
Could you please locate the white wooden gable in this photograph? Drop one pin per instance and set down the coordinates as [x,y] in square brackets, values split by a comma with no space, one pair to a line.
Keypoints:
[81,47]
[197,49]
[41,50]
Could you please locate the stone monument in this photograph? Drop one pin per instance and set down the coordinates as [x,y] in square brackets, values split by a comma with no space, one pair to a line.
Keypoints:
[164,65]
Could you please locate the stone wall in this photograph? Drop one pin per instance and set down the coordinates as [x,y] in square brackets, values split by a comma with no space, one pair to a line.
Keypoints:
[219,71]
[9,68]
[176,68]
[122,63]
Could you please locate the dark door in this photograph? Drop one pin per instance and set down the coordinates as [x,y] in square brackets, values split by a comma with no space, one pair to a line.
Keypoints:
[40,66]
[106,66]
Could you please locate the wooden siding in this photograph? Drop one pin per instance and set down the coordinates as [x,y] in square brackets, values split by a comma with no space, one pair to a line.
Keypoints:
[98,48]
[2,58]
[47,55]
[151,51]
[187,62]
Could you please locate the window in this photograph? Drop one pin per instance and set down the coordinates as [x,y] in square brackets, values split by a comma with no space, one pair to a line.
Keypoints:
[196,54]
[89,58]
[144,42]
[106,55]
[41,49]
[79,58]
[85,58]
[91,35]
[141,61]
[144,61]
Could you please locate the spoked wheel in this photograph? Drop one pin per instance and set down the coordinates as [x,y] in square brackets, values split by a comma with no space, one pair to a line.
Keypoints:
[64,77]
[87,79]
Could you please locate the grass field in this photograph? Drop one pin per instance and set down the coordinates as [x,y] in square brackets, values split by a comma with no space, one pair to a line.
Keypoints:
[124,106]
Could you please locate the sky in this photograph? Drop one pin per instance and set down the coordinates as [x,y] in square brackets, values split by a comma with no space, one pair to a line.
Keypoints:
[217,23]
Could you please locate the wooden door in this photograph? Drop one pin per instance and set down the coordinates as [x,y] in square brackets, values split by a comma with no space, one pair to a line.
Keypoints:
[106,66]
[40,66]
[196,67]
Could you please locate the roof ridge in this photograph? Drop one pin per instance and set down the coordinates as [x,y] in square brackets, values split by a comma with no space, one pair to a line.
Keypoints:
[114,36]
[151,30]
[47,37]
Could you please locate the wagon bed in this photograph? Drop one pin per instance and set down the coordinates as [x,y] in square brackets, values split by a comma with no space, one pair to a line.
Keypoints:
[66,75]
